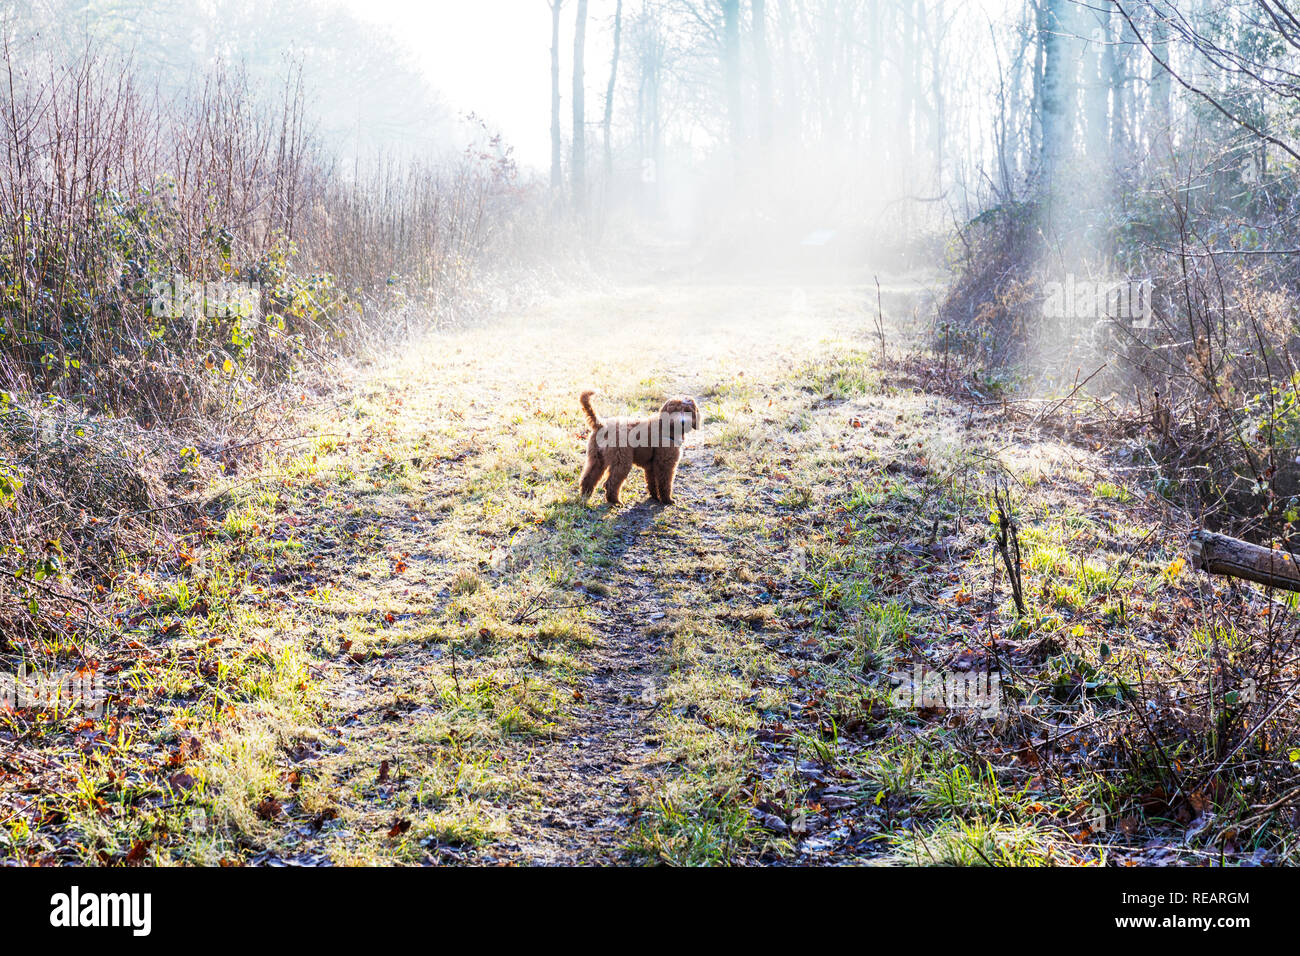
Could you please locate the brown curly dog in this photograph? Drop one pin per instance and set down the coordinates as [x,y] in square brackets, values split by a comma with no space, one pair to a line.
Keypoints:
[654,444]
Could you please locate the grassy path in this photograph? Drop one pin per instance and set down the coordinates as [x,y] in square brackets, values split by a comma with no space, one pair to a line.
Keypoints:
[498,672]
[405,640]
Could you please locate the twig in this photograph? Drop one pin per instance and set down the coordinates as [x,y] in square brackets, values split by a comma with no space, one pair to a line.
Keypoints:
[1008,545]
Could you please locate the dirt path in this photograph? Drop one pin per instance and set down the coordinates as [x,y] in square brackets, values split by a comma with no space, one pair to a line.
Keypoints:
[495,668]
[405,640]
[588,780]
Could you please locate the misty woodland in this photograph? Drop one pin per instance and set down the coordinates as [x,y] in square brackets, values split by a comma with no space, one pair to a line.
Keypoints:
[966,332]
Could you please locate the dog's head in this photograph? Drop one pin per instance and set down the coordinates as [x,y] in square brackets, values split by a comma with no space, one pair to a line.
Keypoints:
[681,415]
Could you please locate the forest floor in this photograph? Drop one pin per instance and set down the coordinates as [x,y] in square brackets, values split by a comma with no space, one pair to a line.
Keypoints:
[405,639]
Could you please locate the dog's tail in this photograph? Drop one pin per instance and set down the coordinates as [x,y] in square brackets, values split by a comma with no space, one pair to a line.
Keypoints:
[585,401]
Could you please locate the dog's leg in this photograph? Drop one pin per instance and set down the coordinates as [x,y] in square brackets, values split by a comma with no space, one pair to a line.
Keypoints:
[618,471]
[666,467]
[652,480]
[595,467]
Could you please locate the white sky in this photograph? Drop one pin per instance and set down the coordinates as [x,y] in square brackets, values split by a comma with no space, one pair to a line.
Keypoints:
[493,57]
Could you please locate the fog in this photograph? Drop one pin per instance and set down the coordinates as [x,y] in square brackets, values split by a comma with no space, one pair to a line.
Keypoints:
[322,324]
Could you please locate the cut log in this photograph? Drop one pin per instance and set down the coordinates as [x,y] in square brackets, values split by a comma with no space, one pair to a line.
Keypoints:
[1220,554]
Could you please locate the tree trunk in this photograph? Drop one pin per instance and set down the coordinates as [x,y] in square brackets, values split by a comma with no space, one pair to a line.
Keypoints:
[916,106]
[1014,159]
[647,52]
[557,147]
[609,93]
[1052,102]
[731,73]
[792,115]
[1113,77]
[763,65]
[938,127]
[1122,121]
[1097,73]
[1159,113]
[579,171]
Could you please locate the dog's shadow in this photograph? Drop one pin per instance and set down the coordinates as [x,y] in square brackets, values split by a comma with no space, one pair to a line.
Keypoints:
[628,521]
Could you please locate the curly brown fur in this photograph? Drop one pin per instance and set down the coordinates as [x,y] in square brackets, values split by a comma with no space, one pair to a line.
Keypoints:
[654,444]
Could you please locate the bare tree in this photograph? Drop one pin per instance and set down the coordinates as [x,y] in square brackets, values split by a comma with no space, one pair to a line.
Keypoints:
[763,67]
[1051,104]
[557,175]
[1160,103]
[609,92]
[1251,63]
[579,171]
[648,53]
[731,73]
[1098,71]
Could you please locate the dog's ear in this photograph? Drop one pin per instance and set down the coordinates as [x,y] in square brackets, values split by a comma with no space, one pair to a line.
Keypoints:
[695,411]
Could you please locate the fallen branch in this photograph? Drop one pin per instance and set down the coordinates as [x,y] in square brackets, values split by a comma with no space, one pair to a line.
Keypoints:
[1221,554]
